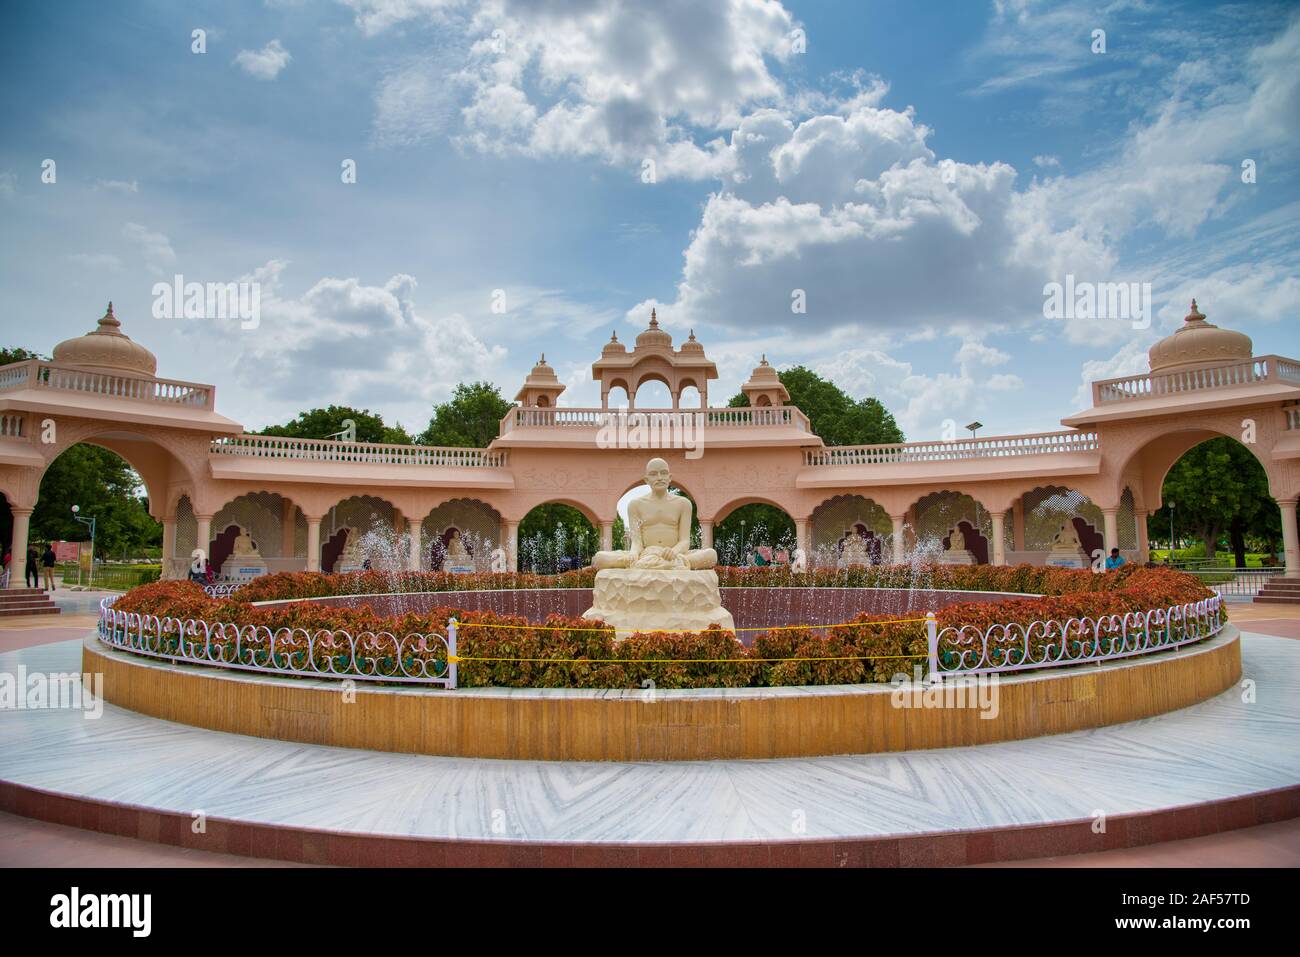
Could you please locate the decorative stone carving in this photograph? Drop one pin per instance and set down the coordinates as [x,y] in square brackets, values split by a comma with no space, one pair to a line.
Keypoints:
[957,553]
[658,599]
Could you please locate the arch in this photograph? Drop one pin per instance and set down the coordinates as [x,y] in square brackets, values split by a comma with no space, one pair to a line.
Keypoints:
[277,526]
[360,529]
[934,516]
[837,517]
[767,524]
[1045,509]
[639,398]
[1152,458]
[543,402]
[479,525]
[557,535]
[689,396]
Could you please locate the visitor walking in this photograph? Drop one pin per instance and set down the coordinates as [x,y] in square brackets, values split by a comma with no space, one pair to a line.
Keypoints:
[32,570]
[47,563]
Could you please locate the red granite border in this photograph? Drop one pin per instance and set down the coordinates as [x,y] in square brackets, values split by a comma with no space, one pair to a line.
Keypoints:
[931,849]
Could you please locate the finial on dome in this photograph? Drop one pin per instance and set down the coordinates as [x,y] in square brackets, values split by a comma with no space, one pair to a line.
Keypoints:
[109,319]
[542,360]
[654,320]
[692,336]
[763,362]
[1195,315]
[613,336]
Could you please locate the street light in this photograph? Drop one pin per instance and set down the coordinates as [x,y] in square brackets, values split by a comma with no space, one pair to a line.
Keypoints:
[76,509]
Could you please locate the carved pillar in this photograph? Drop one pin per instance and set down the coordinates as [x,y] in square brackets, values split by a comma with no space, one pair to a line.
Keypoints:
[313,543]
[999,537]
[413,551]
[203,539]
[606,536]
[706,534]
[1143,543]
[512,546]
[18,547]
[168,548]
[1290,541]
[899,553]
[1110,517]
[803,536]
[1018,524]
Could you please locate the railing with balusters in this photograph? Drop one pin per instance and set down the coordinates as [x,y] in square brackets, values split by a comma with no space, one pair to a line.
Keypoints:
[13,425]
[368,453]
[760,417]
[994,447]
[37,374]
[1200,379]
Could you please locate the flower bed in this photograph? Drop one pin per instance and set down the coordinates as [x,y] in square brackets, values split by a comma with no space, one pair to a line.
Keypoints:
[507,651]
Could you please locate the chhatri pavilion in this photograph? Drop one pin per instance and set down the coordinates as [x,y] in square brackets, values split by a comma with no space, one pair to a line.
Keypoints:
[1003,499]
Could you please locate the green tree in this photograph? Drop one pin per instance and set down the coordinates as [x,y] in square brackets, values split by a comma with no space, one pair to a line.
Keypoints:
[107,489]
[835,415]
[763,525]
[553,531]
[17,354]
[322,423]
[471,418]
[1218,489]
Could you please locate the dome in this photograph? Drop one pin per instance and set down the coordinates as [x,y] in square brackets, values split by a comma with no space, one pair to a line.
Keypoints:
[614,347]
[542,373]
[764,374]
[654,336]
[107,349]
[1197,343]
[691,346]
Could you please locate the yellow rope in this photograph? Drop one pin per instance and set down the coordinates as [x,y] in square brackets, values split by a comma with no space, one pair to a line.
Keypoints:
[690,631]
[455,659]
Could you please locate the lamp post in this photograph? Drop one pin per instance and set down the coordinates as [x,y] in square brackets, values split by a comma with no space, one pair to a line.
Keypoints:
[90,522]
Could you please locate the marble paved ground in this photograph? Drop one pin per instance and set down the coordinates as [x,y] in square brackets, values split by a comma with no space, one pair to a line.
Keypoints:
[1217,749]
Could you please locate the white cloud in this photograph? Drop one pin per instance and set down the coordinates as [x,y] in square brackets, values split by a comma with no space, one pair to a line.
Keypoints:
[369,343]
[155,248]
[266,63]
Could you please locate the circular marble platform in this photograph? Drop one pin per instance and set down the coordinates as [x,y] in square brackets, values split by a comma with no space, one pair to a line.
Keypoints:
[571,724]
[1218,765]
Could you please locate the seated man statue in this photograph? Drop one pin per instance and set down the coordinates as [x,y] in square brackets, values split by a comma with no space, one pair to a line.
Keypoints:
[660,528]
[244,545]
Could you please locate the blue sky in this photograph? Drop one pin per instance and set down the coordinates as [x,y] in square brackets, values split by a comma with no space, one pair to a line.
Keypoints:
[920,170]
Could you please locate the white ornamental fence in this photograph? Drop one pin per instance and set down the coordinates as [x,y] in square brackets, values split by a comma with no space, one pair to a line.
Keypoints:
[428,659]
[970,650]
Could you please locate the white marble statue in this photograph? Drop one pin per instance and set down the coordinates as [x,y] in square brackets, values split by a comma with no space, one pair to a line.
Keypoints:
[245,561]
[457,553]
[660,526]
[1067,551]
[353,557]
[957,553]
[245,546]
[660,583]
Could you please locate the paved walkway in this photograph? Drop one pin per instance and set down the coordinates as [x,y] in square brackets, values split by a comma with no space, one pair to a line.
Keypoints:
[732,797]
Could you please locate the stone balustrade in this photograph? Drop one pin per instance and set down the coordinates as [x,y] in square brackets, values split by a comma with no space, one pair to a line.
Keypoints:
[1042,443]
[368,453]
[1198,379]
[37,374]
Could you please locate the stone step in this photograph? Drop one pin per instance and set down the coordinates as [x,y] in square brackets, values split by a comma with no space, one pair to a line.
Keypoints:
[19,612]
[1277,599]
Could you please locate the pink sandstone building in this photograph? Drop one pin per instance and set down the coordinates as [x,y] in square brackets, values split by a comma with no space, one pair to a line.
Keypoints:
[300,500]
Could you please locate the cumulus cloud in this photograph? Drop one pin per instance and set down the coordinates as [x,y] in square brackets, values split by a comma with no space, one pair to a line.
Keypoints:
[266,63]
[154,247]
[370,343]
